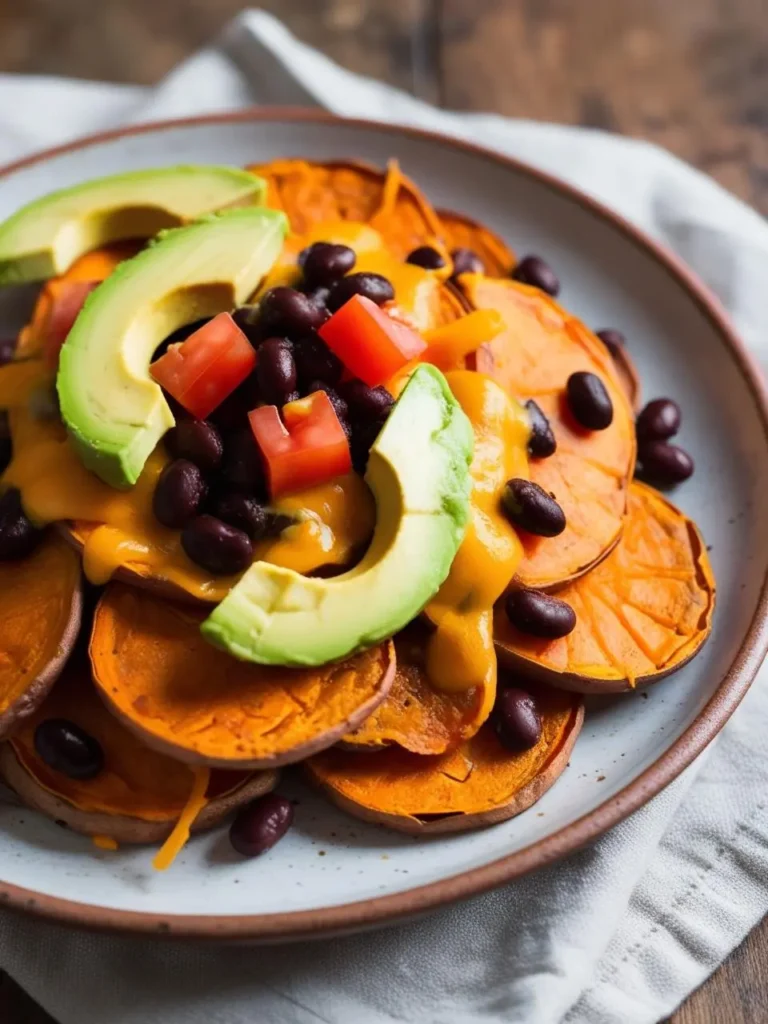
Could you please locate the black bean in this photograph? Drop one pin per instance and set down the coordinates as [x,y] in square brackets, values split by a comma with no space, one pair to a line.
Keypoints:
[375,287]
[276,370]
[533,270]
[340,407]
[290,312]
[613,340]
[315,361]
[231,414]
[427,257]
[363,436]
[244,513]
[466,261]
[243,468]
[318,295]
[18,537]
[325,262]
[516,720]
[7,349]
[219,548]
[260,824]
[539,614]
[366,404]
[6,445]
[541,443]
[248,319]
[659,420]
[589,400]
[530,507]
[198,441]
[68,749]
[178,493]
[663,464]
[6,453]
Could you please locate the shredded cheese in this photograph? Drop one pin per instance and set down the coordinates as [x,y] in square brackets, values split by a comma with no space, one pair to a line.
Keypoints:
[105,842]
[176,841]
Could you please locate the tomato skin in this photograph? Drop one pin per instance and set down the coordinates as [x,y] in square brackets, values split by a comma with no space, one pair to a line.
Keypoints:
[370,344]
[206,368]
[307,449]
[67,299]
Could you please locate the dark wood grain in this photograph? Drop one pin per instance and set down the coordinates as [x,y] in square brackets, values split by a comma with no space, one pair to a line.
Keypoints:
[691,75]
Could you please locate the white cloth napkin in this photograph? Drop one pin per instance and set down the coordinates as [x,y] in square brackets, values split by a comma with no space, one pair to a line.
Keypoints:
[619,933]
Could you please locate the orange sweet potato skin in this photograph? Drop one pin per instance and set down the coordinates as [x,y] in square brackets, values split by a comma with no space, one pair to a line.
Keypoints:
[314,193]
[41,600]
[415,715]
[126,827]
[189,700]
[462,232]
[590,472]
[641,614]
[480,783]
[138,795]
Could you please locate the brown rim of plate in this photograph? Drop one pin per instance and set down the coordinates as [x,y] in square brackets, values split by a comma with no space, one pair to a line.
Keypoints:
[397,906]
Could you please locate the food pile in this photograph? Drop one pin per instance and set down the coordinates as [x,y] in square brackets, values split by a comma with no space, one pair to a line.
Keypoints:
[298,471]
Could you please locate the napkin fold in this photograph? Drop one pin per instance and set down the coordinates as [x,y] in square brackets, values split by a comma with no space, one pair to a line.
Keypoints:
[619,932]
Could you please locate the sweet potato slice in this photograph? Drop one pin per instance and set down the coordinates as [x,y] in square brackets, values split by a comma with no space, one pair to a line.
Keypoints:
[41,602]
[478,783]
[414,714]
[642,613]
[319,193]
[189,700]
[590,472]
[138,796]
[94,266]
[461,232]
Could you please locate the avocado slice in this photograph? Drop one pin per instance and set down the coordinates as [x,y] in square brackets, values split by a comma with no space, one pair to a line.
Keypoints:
[114,411]
[418,471]
[45,237]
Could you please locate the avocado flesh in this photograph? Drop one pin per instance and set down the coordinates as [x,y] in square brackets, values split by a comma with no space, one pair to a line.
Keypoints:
[418,471]
[114,411]
[47,236]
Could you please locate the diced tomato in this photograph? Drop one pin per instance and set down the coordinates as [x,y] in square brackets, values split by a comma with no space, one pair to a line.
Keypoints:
[370,343]
[309,448]
[67,299]
[203,370]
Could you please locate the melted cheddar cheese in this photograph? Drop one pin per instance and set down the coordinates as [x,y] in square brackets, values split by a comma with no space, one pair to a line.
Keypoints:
[333,522]
[460,652]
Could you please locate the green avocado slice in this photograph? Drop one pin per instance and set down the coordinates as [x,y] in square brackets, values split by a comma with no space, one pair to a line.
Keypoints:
[114,411]
[45,237]
[418,471]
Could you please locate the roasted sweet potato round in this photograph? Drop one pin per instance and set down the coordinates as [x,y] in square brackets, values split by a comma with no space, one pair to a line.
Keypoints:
[479,783]
[415,715]
[590,472]
[462,232]
[41,600]
[139,794]
[347,190]
[641,614]
[189,700]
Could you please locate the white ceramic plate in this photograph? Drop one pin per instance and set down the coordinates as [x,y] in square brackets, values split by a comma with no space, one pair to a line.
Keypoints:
[333,872]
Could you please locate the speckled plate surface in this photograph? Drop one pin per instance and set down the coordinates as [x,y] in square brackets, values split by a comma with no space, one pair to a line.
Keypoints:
[333,873]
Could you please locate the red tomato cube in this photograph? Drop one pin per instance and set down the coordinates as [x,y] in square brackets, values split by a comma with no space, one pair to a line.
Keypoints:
[309,448]
[370,343]
[206,368]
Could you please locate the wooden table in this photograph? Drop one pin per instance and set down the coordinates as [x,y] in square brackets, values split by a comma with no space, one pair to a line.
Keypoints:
[691,75]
